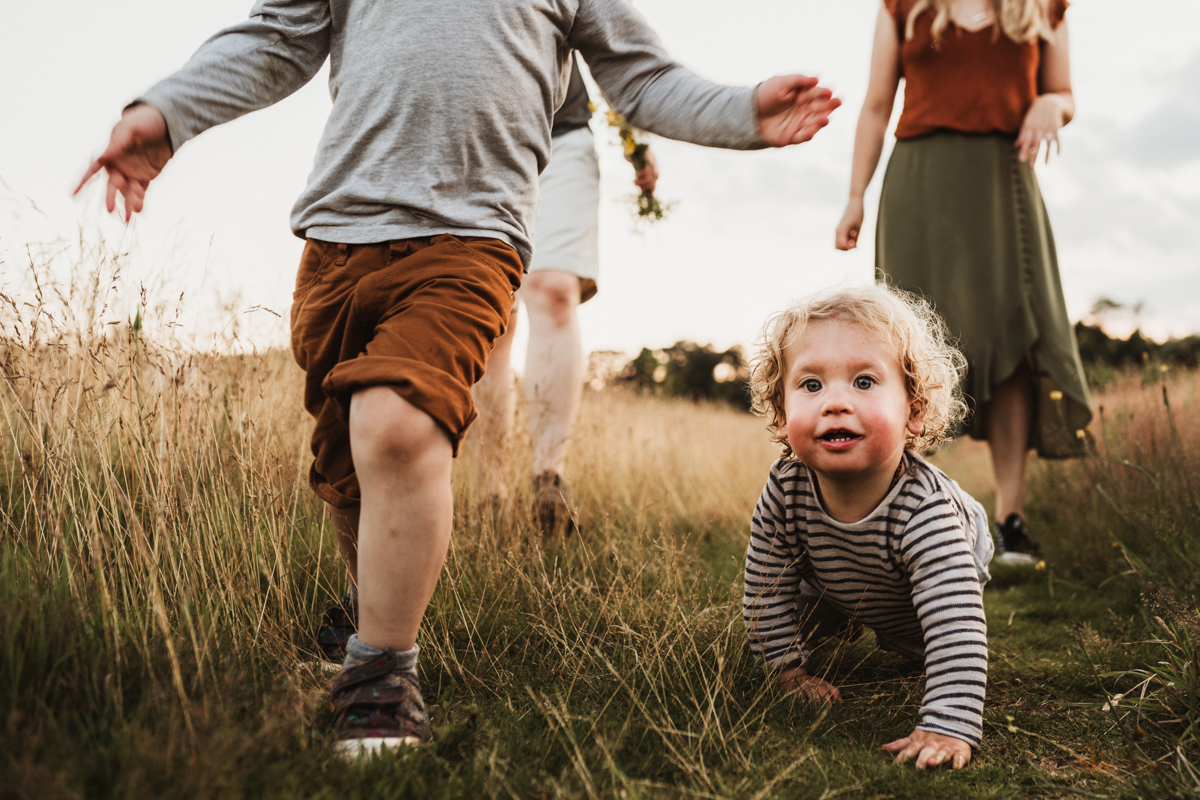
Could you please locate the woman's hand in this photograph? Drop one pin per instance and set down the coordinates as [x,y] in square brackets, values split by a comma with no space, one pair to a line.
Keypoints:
[1056,105]
[1042,123]
[851,224]
[812,688]
[931,750]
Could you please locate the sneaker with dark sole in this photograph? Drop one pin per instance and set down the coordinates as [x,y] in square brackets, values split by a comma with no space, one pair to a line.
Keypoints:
[1013,545]
[338,623]
[377,706]
[553,512]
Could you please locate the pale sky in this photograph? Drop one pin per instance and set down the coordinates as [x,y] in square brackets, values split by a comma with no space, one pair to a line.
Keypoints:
[748,233]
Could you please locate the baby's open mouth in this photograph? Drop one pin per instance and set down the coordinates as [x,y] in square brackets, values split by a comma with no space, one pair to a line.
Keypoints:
[839,435]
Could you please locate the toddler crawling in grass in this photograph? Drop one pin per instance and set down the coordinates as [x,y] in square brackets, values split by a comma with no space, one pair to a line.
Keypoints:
[854,527]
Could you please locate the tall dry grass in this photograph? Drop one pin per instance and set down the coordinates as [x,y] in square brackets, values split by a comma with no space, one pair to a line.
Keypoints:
[155,527]
[1134,503]
[163,564]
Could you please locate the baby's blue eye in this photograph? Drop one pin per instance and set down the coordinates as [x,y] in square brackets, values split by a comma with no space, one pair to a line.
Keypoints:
[863,382]
[811,385]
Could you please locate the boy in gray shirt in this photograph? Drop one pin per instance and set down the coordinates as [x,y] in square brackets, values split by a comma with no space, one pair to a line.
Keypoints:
[417,216]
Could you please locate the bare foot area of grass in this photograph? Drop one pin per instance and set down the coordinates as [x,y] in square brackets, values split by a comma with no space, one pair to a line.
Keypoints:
[164,565]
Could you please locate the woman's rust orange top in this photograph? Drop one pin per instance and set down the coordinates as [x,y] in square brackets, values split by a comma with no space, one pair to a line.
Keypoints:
[973,82]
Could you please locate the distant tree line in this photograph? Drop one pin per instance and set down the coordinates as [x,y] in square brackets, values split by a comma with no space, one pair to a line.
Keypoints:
[1097,348]
[698,372]
[693,371]
[1101,352]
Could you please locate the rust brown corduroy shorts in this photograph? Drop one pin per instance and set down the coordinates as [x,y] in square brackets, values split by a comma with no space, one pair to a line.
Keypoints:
[417,315]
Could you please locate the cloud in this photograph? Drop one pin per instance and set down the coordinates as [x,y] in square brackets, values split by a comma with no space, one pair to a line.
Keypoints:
[1125,205]
[1170,136]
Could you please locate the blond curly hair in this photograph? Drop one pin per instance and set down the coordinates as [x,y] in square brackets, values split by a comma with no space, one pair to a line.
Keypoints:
[930,363]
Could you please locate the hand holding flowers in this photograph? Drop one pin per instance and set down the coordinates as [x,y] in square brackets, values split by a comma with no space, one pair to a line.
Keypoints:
[637,152]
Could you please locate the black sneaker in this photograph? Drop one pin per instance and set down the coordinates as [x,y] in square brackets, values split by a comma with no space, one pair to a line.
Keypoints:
[338,623]
[377,706]
[1013,545]
[553,512]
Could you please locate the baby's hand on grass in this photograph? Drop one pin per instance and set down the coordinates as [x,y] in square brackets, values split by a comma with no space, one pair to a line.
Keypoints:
[812,688]
[931,750]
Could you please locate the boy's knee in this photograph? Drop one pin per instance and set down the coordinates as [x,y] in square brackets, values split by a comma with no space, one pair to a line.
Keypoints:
[386,429]
[552,294]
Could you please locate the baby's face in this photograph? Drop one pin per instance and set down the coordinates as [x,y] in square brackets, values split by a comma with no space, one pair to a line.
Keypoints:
[845,402]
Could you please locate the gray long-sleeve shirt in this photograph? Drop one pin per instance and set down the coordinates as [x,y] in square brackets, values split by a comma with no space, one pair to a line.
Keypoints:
[441,108]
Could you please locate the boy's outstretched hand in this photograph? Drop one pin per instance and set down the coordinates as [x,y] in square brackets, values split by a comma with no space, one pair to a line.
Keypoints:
[931,750]
[791,109]
[137,151]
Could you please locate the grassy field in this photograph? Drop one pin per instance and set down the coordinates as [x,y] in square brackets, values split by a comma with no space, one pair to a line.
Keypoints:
[163,565]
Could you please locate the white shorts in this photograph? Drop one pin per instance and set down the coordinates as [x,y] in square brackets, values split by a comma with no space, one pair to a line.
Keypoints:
[566,231]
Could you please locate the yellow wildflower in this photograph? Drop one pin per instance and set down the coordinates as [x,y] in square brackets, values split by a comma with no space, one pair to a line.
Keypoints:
[648,206]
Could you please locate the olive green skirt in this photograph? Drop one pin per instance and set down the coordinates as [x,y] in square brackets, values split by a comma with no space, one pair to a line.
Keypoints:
[961,221]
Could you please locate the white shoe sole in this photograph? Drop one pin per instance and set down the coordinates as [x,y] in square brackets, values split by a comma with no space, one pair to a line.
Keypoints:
[353,749]
[1021,559]
[328,667]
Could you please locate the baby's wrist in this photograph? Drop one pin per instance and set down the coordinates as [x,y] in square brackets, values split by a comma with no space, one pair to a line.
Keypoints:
[792,674]
[972,745]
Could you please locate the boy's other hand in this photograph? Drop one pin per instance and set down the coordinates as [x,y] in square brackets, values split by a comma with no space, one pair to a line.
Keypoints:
[812,688]
[137,151]
[646,178]
[931,750]
[791,109]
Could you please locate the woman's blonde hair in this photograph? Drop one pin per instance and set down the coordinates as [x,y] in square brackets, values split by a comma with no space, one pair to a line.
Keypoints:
[931,365]
[1023,21]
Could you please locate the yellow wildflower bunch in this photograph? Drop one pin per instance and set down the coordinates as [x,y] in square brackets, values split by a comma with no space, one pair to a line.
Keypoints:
[649,207]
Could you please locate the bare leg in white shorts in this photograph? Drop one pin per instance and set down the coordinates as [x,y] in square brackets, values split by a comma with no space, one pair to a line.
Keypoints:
[563,276]
[553,380]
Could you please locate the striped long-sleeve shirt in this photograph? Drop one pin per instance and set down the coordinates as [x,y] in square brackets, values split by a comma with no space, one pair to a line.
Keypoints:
[906,571]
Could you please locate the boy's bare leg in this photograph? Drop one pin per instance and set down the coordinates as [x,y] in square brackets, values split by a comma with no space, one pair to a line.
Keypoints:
[345,528]
[402,459]
[1010,417]
[496,402]
[554,366]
